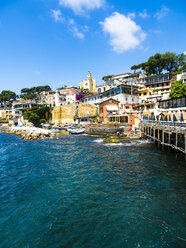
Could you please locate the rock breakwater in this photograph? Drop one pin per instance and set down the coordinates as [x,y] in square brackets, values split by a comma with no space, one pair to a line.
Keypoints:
[30,133]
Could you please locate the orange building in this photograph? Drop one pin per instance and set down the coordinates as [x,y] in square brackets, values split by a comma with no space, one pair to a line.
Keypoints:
[109,112]
[107,108]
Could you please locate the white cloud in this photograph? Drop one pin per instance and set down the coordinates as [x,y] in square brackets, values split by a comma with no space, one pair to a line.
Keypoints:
[132,15]
[162,12]
[144,14]
[80,6]
[72,26]
[184,52]
[124,33]
[57,15]
[75,30]
[77,33]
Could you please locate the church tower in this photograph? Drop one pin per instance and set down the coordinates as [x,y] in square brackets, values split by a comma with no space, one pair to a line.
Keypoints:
[89,76]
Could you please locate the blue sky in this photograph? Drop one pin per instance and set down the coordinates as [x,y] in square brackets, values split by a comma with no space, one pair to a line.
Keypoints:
[57,42]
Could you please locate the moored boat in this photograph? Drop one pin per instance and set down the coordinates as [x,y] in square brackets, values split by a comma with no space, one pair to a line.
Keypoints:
[76,130]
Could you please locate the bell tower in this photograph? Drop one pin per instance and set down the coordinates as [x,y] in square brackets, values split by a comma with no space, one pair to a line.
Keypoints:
[89,76]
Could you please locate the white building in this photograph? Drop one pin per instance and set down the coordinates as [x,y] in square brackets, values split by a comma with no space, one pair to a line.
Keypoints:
[60,99]
[182,76]
[125,94]
[125,78]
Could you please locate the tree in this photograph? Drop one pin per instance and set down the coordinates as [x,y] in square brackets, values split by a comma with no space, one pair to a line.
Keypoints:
[7,97]
[181,58]
[37,115]
[105,78]
[179,89]
[170,61]
[26,91]
[158,63]
[134,67]
[31,93]
[28,96]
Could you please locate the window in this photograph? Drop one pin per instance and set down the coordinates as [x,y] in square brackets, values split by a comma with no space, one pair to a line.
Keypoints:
[156,79]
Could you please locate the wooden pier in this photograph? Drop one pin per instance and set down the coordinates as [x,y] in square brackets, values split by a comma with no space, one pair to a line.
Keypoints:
[166,134]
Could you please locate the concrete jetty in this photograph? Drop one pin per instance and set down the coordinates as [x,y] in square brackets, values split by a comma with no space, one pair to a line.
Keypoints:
[30,133]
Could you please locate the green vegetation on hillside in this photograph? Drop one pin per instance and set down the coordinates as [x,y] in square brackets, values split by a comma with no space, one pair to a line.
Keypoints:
[159,63]
[7,97]
[106,77]
[178,90]
[37,115]
[31,93]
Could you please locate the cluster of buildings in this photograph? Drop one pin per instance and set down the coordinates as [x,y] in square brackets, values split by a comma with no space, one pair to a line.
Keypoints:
[120,99]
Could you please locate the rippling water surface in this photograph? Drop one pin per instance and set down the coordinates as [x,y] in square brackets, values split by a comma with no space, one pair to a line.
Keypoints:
[76,192]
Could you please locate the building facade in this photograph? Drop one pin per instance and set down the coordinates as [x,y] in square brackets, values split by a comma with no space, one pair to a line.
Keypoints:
[182,76]
[125,78]
[155,88]
[123,93]
[88,85]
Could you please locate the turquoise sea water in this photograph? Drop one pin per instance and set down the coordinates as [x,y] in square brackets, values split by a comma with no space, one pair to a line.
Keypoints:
[75,192]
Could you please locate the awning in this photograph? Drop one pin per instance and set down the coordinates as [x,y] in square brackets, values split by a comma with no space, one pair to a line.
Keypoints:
[111,108]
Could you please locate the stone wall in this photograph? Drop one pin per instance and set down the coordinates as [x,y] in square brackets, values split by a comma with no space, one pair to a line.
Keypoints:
[85,110]
[66,113]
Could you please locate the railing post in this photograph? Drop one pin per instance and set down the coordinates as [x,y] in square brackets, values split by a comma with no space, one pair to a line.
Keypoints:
[176,139]
[158,136]
[163,138]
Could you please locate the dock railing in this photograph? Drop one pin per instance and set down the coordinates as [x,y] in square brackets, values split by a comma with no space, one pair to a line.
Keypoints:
[167,125]
[166,133]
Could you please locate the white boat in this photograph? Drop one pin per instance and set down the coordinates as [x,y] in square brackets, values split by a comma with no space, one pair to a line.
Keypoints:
[76,130]
[55,130]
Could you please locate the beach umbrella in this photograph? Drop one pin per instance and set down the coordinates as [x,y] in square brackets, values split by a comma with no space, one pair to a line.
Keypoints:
[165,119]
[170,117]
[182,120]
[161,119]
[174,118]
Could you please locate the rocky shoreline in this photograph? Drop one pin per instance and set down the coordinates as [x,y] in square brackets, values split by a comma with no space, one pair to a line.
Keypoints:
[30,133]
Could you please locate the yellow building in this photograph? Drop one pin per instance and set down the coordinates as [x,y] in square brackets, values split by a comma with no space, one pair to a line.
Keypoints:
[6,114]
[89,84]
[155,88]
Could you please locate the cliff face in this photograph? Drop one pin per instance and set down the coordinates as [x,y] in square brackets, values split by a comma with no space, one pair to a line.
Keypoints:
[85,109]
[65,114]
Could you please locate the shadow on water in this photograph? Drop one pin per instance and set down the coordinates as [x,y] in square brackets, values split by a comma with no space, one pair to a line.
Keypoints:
[74,191]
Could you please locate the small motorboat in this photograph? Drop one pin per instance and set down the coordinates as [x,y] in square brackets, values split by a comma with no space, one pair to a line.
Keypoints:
[76,130]
[55,130]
